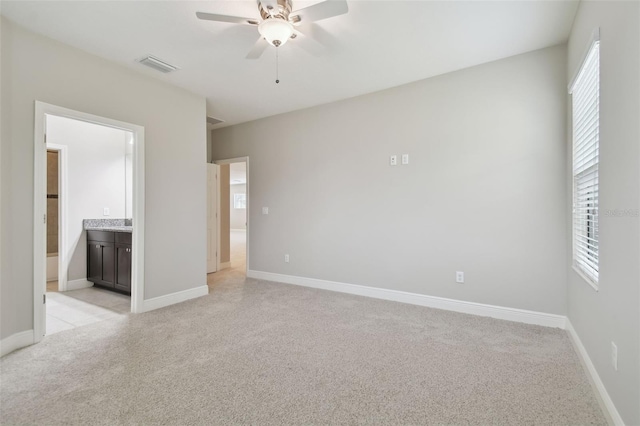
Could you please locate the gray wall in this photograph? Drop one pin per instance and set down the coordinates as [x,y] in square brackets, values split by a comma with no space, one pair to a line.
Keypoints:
[238,217]
[484,191]
[208,144]
[611,314]
[38,68]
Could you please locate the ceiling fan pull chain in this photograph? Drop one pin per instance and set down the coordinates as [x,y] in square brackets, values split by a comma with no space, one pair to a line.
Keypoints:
[277,79]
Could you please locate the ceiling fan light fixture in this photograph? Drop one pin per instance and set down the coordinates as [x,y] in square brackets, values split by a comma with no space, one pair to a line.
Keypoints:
[276,31]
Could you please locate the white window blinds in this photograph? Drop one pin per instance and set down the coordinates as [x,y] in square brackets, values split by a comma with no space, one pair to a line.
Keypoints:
[586,135]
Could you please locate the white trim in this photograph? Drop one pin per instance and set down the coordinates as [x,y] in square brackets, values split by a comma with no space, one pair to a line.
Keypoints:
[78,284]
[16,341]
[218,217]
[224,265]
[63,208]
[480,309]
[138,212]
[39,207]
[238,229]
[247,220]
[584,277]
[39,227]
[231,160]
[213,265]
[602,395]
[173,298]
[595,38]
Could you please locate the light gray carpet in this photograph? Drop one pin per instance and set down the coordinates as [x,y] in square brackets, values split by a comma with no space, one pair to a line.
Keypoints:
[267,353]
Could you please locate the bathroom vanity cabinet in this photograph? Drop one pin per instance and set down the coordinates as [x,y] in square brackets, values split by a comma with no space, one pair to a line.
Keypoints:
[109,259]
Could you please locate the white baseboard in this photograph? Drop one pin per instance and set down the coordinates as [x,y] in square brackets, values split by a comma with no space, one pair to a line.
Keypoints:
[499,312]
[238,229]
[78,284]
[173,298]
[16,341]
[224,265]
[601,392]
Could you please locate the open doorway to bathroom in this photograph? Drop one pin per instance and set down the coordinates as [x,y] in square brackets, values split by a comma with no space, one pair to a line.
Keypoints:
[53,225]
[89,174]
[95,161]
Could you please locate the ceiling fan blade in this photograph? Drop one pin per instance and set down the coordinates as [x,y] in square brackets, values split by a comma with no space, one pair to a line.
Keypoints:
[257,49]
[226,18]
[319,11]
[309,43]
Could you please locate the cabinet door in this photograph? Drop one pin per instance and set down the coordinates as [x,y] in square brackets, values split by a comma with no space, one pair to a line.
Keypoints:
[101,265]
[123,267]
[94,261]
[108,264]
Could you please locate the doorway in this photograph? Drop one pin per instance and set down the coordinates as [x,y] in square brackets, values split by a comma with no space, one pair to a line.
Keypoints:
[53,215]
[61,133]
[232,217]
[238,215]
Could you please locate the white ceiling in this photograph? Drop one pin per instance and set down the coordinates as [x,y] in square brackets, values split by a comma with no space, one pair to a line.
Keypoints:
[377,45]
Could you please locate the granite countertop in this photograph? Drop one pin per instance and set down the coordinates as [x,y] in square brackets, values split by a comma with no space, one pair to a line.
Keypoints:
[128,229]
[113,225]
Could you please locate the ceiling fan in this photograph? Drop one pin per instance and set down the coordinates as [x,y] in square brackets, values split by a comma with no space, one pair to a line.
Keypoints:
[278,23]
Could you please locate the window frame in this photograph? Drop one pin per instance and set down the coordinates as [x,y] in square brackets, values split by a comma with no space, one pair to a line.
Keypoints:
[585,168]
[237,198]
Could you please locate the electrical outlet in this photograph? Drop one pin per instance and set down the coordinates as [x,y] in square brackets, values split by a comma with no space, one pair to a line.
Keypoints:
[286,258]
[614,356]
[393,160]
[459,276]
[265,210]
[405,158]
[105,211]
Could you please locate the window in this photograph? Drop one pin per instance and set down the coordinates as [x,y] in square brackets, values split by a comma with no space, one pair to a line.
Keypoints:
[239,201]
[585,93]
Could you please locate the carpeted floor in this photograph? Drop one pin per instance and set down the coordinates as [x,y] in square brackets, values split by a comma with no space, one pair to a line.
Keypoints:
[256,352]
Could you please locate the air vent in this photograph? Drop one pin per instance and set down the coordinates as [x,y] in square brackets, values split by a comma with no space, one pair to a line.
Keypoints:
[157,64]
[213,121]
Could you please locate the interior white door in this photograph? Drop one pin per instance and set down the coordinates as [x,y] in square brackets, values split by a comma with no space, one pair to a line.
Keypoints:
[212,220]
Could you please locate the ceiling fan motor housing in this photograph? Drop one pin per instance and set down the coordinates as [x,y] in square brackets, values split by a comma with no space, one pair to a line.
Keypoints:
[268,11]
[275,27]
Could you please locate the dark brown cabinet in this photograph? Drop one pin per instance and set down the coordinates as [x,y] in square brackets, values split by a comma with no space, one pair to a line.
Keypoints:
[123,262]
[100,262]
[109,259]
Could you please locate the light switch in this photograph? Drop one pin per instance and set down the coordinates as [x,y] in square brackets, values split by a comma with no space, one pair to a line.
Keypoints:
[405,158]
[393,160]
[265,210]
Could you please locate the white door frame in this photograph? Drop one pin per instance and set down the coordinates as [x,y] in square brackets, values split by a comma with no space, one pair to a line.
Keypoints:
[213,208]
[229,161]
[63,187]
[39,208]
